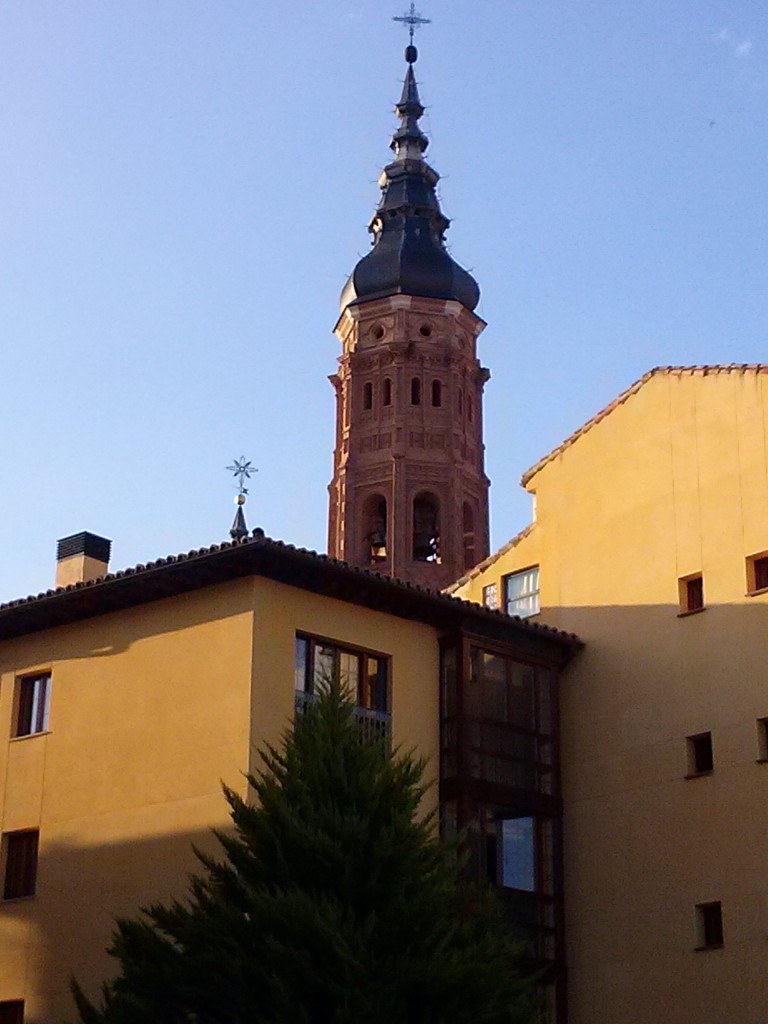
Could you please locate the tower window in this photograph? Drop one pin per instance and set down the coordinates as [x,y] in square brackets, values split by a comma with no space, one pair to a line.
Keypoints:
[368,395]
[469,408]
[425,331]
[378,332]
[426,528]
[387,392]
[374,531]
[461,400]
[468,524]
[415,391]
[437,394]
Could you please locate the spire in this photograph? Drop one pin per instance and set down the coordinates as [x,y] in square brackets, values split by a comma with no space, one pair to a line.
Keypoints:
[409,255]
[242,470]
[409,142]
[239,529]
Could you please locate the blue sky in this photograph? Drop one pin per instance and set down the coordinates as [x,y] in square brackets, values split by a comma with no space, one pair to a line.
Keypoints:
[184,187]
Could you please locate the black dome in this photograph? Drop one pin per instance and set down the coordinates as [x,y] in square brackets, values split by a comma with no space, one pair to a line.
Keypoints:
[409,255]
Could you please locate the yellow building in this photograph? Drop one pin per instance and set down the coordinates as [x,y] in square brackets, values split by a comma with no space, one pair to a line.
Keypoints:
[126,699]
[650,540]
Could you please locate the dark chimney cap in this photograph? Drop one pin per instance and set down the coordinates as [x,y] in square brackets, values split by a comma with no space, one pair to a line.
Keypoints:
[84,543]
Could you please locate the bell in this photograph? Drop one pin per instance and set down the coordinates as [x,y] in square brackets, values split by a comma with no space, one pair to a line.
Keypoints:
[423,546]
[378,545]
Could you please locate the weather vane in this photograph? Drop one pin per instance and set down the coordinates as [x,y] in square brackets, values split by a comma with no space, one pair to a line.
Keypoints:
[412,19]
[243,470]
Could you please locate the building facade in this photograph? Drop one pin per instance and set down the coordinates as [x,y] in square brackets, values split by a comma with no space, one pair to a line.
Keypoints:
[126,700]
[409,494]
[650,540]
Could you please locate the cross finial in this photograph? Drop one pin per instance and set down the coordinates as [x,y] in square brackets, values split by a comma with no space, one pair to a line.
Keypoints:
[412,19]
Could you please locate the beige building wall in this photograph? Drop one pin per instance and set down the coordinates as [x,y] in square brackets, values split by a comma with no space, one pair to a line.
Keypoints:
[152,707]
[672,481]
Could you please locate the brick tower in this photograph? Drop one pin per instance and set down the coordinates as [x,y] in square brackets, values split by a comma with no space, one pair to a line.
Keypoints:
[409,495]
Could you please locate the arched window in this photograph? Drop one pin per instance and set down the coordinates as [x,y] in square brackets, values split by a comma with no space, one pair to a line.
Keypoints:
[374,529]
[415,391]
[468,526]
[426,528]
[387,396]
[437,393]
[368,395]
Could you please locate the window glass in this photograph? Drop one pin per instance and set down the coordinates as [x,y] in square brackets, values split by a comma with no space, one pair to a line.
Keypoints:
[491,596]
[325,664]
[517,854]
[349,671]
[449,682]
[545,700]
[300,664]
[373,689]
[495,687]
[521,593]
[523,682]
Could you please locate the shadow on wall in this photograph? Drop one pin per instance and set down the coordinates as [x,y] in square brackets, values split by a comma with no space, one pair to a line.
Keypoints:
[80,892]
[107,635]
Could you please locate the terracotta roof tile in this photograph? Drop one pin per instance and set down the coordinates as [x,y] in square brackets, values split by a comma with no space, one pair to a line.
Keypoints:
[258,555]
[481,566]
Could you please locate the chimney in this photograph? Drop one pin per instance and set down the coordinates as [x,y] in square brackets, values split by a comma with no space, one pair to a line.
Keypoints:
[81,558]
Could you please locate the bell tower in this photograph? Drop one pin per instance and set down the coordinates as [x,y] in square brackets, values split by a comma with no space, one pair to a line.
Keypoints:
[409,495]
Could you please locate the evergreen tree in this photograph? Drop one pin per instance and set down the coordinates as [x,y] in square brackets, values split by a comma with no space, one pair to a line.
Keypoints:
[335,904]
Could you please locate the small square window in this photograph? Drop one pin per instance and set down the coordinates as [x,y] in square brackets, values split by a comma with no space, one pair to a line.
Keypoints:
[691,589]
[12,1011]
[33,698]
[521,593]
[757,573]
[20,856]
[762,739]
[491,595]
[709,925]
[700,757]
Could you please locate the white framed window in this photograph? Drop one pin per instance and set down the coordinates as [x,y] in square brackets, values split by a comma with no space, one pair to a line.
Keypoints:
[521,593]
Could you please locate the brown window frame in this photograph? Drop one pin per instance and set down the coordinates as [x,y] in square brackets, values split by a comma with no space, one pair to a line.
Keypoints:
[709,925]
[691,593]
[361,653]
[757,573]
[701,755]
[32,708]
[20,859]
[11,1011]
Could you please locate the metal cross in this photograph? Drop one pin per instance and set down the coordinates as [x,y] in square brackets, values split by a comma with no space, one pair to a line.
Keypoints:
[412,19]
[242,470]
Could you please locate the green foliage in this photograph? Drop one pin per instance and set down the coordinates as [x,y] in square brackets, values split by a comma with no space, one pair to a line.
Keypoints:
[335,904]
